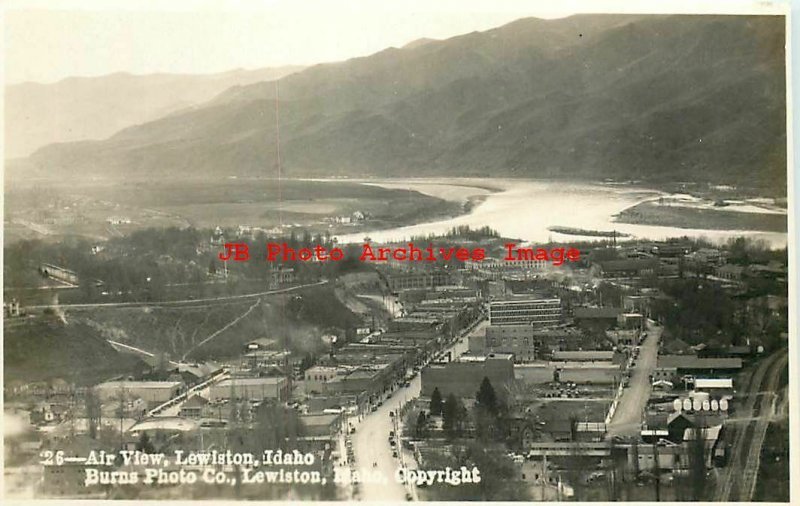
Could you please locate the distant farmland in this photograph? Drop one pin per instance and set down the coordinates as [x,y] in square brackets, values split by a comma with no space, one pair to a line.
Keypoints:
[104,209]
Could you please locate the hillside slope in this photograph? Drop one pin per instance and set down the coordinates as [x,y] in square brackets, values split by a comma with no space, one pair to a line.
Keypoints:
[47,348]
[81,108]
[645,97]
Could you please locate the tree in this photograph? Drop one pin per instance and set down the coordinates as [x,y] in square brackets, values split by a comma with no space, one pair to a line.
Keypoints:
[421,428]
[500,477]
[144,444]
[436,402]
[486,397]
[454,414]
[697,462]
[93,412]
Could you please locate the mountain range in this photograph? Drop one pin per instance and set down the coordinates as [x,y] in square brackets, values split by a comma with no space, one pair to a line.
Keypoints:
[646,97]
[81,108]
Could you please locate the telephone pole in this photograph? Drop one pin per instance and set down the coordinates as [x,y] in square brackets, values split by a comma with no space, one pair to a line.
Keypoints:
[657,471]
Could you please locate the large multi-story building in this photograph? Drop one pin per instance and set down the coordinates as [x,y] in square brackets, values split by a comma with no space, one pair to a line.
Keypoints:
[498,268]
[517,340]
[526,342]
[537,312]
[412,280]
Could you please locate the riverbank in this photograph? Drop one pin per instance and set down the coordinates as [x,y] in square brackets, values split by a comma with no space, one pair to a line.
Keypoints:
[653,213]
[529,209]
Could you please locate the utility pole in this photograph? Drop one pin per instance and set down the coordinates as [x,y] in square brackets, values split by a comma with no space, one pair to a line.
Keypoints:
[544,474]
[121,412]
[657,471]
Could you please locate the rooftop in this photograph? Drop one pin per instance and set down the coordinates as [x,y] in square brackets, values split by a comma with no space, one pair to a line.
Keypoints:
[583,355]
[596,312]
[241,382]
[713,383]
[139,384]
[195,402]
[694,362]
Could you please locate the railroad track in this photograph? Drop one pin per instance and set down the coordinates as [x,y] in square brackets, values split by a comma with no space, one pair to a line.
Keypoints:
[742,456]
[747,485]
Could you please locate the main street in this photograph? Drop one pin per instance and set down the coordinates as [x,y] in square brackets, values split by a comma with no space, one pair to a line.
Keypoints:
[371,440]
[627,418]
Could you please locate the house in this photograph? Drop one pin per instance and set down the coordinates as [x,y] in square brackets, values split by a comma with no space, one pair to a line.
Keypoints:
[11,308]
[48,412]
[195,373]
[217,237]
[281,276]
[260,344]
[729,272]
[193,408]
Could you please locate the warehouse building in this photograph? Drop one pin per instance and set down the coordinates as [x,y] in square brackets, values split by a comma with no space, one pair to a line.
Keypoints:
[252,389]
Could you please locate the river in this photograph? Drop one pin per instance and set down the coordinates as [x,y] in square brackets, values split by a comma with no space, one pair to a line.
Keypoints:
[526,209]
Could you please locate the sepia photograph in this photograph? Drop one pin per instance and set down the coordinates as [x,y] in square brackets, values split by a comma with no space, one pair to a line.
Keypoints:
[398,251]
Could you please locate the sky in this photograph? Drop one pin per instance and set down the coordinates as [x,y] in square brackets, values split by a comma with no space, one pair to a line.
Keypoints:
[46,41]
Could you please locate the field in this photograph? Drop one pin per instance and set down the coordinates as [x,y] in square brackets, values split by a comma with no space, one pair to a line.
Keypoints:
[100,210]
